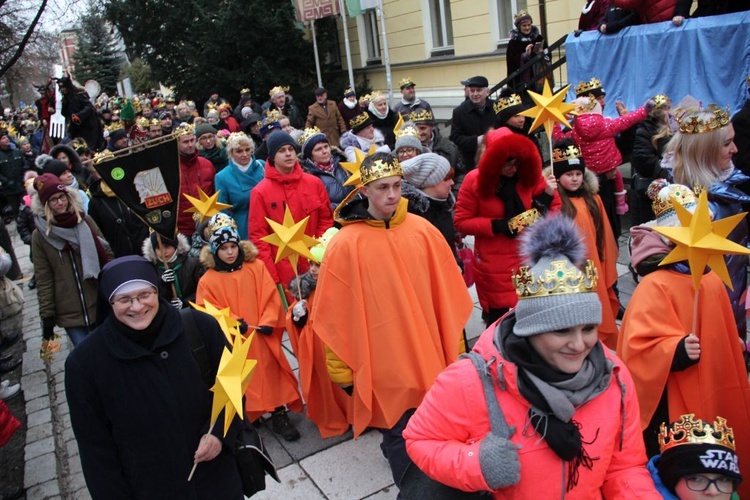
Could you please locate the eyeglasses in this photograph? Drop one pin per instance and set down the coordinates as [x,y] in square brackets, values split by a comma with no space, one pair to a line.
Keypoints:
[702,483]
[127,301]
[56,200]
[406,151]
[206,137]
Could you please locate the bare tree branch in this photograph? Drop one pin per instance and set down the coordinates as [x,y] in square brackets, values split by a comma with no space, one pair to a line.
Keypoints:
[25,40]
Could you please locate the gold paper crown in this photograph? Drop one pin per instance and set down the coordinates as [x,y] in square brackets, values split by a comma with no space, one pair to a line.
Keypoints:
[660,100]
[277,89]
[675,192]
[142,122]
[244,90]
[363,99]
[691,430]
[185,129]
[237,136]
[102,156]
[359,119]
[568,154]
[585,87]
[524,220]
[506,102]
[691,124]
[155,121]
[221,220]
[307,133]
[405,81]
[421,116]
[407,130]
[224,106]
[523,13]
[348,90]
[114,126]
[560,278]
[379,169]
[273,115]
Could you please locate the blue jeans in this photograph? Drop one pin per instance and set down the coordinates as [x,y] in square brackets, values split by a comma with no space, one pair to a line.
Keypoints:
[77,334]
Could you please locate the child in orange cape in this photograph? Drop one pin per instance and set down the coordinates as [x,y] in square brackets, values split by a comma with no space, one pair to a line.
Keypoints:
[236,279]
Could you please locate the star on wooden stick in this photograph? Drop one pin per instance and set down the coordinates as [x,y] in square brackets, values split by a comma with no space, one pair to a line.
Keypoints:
[232,379]
[207,206]
[291,239]
[353,166]
[549,109]
[702,242]
[228,324]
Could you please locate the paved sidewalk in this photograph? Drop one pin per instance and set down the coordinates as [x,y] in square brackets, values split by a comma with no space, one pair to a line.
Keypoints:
[310,468]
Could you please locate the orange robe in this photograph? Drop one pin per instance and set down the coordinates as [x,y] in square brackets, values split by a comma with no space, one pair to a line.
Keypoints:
[251,294]
[606,268]
[659,315]
[327,403]
[391,304]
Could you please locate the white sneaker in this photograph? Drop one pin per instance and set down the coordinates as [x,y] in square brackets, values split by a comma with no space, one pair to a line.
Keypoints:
[8,391]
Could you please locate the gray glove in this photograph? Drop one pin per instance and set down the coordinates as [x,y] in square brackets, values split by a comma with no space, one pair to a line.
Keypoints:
[176,303]
[498,458]
[299,309]
[168,276]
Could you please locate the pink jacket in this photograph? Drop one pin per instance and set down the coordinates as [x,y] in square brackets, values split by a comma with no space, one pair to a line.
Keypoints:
[444,435]
[595,135]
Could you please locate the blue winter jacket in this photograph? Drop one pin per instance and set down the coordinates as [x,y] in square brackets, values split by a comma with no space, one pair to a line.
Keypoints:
[234,188]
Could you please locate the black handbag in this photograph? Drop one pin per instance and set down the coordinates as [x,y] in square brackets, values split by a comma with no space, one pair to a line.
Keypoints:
[253,461]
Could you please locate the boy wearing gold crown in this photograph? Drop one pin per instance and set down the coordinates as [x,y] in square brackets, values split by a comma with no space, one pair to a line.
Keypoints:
[539,409]
[391,305]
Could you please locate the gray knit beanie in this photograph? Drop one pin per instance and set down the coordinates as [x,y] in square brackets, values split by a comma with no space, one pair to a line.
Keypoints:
[425,170]
[555,254]
[408,141]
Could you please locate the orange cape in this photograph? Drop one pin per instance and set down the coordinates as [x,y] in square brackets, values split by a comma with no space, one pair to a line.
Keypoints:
[327,403]
[660,313]
[391,304]
[606,268]
[251,294]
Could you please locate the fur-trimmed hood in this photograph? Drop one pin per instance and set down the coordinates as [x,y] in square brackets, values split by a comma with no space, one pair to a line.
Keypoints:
[37,208]
[75,160]
[147,249]
[502,144]
[589,178]
[209,261]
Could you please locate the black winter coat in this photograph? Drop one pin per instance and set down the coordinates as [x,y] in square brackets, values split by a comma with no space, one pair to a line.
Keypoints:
[385,125]
[438,212]
[333,181]
[12,168]
[187,269]
[468,123]
[89,126]
[25,224]
[121,228]
[138,414]
[645,158]
[741,123]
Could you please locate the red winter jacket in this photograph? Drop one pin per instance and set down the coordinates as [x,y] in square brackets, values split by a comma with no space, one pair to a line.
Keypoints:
[649,11]
[595,135]
[8,424]
[444,435]
[305,195]
[195,171]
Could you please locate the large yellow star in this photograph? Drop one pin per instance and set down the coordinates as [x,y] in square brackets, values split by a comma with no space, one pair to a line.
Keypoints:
[549,109]
[702,242]
[353,166]
[207,206]
[223,316]
[232,379]
[291,239]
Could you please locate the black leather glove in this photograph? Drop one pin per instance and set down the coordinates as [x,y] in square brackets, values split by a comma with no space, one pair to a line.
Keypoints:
[501,226]
[243,326]
[265,330]
[48,328]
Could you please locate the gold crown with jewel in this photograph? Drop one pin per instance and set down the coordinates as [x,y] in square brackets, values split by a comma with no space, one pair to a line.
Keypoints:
[142,122]
[154,122]
[407,129]
[378,169]
[506,102]
[662,205]
[690,123]
[524,220]
[560,278]
[572,152]
[359,119]
[307,133]
[585,87]
[691,430]
[277,90]
[660,100]
[406,82]
[421,116]
[103,156]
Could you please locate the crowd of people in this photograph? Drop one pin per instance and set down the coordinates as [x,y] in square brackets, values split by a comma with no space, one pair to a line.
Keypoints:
[552,388]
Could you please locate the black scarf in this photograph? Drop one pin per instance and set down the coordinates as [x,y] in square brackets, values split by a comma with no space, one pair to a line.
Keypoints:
[507,192]
[564,438]
[146,337]
[223,267]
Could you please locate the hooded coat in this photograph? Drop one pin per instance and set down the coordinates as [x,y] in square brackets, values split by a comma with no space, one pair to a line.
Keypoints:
[595,135]
[187,269]
[76,166]
[497,254]
[445,434]
[235,188]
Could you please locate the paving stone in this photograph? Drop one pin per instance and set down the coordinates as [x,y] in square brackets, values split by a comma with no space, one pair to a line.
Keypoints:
[82,494]
[385,494]
[74,465]
[35,391]
[32,363]
[67,434]
[71,447]
[77,483]
[310,441]
[39,471]
[35,379]
[47,490]
[277,452]
[295,485]
[37,404]
[289,353]
[354,469]
[37,448]
[38,433]
[41,417]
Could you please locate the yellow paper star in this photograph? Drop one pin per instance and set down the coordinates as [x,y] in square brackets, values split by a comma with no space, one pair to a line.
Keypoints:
[207,206]
[702,242]
[353,166]
[228,324]
[291,239]
[399,123]
[549,109]
[232,379]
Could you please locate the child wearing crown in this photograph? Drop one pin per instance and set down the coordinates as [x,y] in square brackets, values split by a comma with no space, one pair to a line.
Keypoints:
[578,188]
[697,460]
[677,370]
[237,279]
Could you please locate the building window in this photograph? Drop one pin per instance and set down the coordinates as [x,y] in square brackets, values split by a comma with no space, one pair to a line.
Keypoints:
[442,27]
[372,40]
[504,10]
